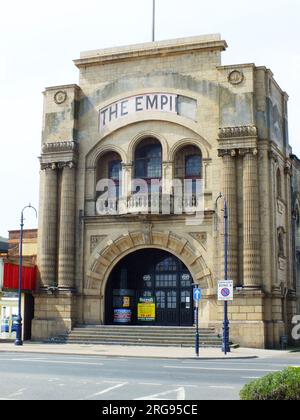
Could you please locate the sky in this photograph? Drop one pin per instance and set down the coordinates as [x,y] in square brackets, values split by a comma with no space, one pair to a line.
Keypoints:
[39,40]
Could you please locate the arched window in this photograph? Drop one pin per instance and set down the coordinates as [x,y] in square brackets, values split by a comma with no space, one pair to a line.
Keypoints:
[188,167]
[279,183]
[110,167]
[148,160]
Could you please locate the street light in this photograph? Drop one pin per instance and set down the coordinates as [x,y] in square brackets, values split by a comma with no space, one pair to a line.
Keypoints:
[225,343]
[19,341]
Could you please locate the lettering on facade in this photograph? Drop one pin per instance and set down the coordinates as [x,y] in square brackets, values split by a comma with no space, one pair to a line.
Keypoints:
[149,102]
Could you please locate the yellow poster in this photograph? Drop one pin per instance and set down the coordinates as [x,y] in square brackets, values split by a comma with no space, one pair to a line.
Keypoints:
[146,311]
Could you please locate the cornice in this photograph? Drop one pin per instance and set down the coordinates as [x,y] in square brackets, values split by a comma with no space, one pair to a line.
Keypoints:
[152,49]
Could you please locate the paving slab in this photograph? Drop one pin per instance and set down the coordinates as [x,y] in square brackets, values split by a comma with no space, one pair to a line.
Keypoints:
[139,351]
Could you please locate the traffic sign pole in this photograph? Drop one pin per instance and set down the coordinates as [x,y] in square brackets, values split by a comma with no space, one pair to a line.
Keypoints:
[197,297]
[197,330]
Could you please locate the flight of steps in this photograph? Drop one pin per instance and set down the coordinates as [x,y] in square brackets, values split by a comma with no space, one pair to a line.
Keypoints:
[140,336]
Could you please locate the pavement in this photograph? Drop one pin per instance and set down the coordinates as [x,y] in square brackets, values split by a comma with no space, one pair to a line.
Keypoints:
[142,351]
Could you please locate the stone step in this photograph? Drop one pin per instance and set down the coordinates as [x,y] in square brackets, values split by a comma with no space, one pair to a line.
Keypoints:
[140,336]
[165,343]
[148,333]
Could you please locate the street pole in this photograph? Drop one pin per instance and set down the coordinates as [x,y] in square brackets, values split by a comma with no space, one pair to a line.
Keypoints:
[153,22]
[225,346]
[197,330]
[19,341]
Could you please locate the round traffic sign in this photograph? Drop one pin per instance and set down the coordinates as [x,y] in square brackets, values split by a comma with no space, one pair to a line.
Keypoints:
[225,292]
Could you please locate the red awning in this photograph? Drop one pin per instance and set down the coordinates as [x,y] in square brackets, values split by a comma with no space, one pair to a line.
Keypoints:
[11,277]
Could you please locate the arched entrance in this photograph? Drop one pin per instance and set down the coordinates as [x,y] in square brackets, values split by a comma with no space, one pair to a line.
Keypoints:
[149,276]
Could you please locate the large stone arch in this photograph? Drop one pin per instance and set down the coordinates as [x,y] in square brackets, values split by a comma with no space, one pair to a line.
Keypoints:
[104,259]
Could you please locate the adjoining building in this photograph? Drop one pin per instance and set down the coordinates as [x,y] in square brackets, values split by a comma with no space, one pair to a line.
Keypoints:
[9,282]
[171,117]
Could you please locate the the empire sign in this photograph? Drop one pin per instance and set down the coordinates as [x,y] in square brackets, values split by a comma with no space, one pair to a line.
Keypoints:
[149,102]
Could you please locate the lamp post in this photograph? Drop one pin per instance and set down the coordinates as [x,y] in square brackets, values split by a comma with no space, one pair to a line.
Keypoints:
[225,342]
[225,346]
[19,341]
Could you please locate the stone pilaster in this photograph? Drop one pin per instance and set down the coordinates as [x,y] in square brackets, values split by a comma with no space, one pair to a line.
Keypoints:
[66,254]
[252,272]
[229,189]
[47,259]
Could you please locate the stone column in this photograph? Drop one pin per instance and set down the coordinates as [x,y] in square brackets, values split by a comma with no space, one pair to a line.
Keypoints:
[66,254]
[252,273]
[229,190]
[47,261]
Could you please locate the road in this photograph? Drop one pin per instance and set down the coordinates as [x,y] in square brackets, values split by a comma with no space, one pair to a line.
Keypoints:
[62,377]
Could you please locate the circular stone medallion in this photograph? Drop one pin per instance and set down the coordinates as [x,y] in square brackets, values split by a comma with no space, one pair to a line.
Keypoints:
[60,97]
[236,77]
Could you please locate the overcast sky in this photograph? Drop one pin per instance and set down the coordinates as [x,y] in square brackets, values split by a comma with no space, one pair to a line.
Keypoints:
[39,40]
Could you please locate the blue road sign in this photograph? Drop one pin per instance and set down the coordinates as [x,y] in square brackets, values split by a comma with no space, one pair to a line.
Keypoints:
[197,294]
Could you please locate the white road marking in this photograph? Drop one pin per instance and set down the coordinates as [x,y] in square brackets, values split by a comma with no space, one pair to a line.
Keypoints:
[250,377]
[221,369]
[105,391]
[108,381]
[180,395]
[64,362]
[222,387]
[149,384]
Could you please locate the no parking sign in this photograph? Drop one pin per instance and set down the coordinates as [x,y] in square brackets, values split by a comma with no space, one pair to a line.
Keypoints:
[225,290]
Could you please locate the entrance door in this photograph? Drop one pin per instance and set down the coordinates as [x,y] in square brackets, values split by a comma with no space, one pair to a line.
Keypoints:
[158,276]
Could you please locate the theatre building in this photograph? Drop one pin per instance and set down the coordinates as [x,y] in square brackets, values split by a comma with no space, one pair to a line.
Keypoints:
[133,161]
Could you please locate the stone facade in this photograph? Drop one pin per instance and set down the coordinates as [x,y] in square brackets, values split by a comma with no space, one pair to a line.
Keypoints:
[236,116]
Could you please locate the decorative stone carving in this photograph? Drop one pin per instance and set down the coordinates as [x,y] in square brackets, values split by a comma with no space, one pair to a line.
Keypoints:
[234,132]
[60,97]
[60,146]
[45,166]
[227,152]
[70,164]
[147,233]
[95,240]
[248,151]
[200,237]
[236,77]
[288,169]
[273,156]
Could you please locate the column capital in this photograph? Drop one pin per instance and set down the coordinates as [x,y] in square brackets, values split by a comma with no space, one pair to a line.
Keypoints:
[52,166]
[227,152]
[68,164]
[273,156]
[248,151]
[288,169]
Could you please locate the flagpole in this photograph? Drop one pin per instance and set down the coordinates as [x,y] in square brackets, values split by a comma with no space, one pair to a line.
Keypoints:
[153,22]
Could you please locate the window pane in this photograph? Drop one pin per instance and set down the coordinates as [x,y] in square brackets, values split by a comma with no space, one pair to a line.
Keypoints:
[193,165]
[160,299]
[168,264]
